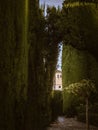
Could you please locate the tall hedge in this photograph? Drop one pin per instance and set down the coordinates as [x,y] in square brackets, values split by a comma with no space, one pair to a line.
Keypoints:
[41,67]
[13,63]
[57,104]
[80,46]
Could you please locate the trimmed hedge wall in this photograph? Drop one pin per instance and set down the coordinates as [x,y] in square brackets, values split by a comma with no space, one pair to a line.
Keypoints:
[80,47]
[57,104]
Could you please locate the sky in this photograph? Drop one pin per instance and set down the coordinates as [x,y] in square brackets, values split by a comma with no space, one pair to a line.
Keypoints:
[55,3]
[59,63]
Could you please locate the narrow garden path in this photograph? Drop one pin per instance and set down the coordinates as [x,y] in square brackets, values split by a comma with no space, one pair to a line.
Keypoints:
[63,123]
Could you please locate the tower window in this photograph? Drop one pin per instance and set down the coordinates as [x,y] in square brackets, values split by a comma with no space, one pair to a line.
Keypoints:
[60,76]
[57,76]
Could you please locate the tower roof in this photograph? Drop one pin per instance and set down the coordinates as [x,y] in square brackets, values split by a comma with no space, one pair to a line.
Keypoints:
[58,71]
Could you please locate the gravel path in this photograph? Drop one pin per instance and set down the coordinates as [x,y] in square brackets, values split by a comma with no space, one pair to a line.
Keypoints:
[63,123]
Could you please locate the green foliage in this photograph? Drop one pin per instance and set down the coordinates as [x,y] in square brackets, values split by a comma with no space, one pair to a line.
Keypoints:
[57,104]
[13,65]
[29,45]
[83,1]
[82,29]
[83,88]
[43,52]
[80,23]
[70,103]
[93,118]
[93,113]
[75,65]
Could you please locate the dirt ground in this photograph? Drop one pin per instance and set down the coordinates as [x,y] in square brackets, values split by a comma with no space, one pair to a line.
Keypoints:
[63,123]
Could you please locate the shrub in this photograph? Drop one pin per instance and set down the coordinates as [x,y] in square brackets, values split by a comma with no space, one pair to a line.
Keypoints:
[93,118]
[56,104]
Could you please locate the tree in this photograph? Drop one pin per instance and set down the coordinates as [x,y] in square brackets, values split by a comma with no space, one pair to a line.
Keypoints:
[84,88]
